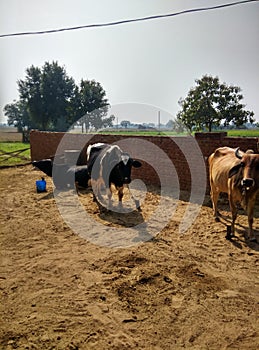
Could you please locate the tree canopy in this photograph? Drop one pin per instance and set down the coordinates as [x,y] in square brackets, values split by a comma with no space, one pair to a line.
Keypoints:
[211,104]
[125,123]
[50,100]
[91,103]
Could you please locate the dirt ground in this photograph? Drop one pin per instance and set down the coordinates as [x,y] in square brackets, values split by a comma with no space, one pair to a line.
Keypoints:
[175,291]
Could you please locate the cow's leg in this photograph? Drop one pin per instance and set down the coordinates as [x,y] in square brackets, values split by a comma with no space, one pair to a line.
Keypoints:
[120,195]
[77,188]
[97,186]
[233,210]
[136,201]
[250,215]
[94,189]
[214,194]
[94,185]
[109,195]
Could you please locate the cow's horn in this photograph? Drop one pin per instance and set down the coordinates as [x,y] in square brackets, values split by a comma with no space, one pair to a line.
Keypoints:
[237,153]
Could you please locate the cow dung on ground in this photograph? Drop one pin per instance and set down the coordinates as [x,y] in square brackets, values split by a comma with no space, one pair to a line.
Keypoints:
[195,290]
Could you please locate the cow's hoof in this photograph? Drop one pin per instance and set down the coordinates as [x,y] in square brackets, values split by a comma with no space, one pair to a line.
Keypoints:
[253,240]
[104,210]
[137,204]
[229,237]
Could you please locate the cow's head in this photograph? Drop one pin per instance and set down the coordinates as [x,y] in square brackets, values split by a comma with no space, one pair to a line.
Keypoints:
[122,170]
[247,169]
[115,166]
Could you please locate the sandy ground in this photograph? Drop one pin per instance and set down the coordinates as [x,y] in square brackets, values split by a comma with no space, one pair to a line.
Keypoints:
[176,291]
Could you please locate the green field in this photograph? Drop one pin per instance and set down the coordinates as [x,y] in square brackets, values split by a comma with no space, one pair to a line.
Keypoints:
[244,133]
[234,132]
[141,132]
[14,155]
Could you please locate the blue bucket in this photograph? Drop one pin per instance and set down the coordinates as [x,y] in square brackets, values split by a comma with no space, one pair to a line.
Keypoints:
[41,185]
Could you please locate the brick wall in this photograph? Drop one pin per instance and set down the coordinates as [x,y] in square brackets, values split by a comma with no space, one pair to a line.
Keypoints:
[208,142]
[183,152]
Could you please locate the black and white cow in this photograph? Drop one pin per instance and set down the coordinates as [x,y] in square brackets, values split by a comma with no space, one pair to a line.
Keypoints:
[107,165]
[64,176]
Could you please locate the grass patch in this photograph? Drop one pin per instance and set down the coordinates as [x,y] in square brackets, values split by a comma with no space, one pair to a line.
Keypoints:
[244,132]
[14,155]
[234,132]
[142,132]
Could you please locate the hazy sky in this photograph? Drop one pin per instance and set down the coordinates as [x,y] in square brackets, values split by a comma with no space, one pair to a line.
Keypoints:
[154,62]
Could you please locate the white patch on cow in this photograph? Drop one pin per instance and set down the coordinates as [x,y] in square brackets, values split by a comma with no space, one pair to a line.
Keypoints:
[88,151]
[112,148]
[98,144]
[125,158]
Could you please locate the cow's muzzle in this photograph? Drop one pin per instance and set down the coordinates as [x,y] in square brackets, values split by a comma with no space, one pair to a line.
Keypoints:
[127,180]
[247,183]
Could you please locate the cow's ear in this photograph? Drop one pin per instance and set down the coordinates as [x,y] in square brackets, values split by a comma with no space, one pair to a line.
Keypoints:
[136,164]
[234,170]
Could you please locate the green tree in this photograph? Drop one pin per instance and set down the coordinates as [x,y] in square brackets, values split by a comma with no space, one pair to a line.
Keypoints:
[125,123]
[175,125]
[57,92]
[17,115]
[91,106]
[50,100]
[211,103]
[47,92]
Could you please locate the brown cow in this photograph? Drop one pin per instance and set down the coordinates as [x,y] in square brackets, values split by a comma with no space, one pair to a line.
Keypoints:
[236,173]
